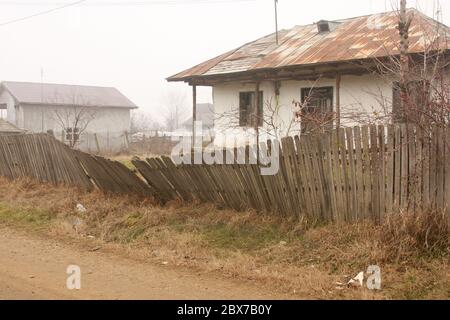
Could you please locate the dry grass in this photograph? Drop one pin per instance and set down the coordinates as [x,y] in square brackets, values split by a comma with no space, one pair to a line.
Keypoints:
[407,235]
[282,255]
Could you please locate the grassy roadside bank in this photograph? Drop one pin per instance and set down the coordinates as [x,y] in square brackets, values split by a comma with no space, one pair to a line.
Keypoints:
[280,255]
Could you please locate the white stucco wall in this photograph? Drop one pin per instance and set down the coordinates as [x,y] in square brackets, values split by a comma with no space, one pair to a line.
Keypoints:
[366,95]
[109,124]
[43,118]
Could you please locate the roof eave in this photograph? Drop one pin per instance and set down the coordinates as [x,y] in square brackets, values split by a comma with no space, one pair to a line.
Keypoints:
[72,105]
[255,73]
[5,87]
[362,64]
[177,79]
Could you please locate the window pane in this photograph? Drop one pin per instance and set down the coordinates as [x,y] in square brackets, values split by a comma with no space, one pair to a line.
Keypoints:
[244,108]
[247,109]
[317,108]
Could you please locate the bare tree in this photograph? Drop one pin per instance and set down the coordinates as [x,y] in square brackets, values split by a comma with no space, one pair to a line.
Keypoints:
[420,79]
[74,118]
[420,85]
[421,91]
[142,121]
[404,24]
[278,121]
[175,103]
[421,82]
[313,118]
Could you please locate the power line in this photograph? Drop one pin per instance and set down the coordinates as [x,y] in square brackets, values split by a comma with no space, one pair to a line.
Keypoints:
[121,3]
[104,3]
[42,13]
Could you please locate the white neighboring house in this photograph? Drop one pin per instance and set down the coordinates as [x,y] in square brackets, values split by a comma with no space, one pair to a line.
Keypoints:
[327,66]
[98,117]
[205,116]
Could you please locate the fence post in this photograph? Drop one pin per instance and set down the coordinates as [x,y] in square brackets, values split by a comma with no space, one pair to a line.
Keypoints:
[96,143]
[108,147]
[127,141]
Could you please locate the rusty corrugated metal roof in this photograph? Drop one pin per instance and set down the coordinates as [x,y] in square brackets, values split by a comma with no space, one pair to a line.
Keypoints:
[372,36]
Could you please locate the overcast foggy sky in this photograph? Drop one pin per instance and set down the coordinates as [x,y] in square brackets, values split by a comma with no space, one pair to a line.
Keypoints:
[135,47]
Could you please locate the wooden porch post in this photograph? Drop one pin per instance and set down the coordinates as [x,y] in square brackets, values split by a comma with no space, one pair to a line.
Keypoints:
[194,114]
[257,117]
[338,100]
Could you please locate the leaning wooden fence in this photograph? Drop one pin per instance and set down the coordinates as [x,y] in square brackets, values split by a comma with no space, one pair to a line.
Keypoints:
[42,157]
[343,175]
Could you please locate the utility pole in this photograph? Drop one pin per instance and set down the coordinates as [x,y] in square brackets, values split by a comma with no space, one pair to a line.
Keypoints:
[276,20]
[42,99]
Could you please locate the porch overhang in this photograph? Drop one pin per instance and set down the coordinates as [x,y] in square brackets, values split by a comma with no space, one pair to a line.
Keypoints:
[301,72]
[307,72]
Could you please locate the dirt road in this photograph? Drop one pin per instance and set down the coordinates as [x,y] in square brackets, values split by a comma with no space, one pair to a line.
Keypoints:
[35,268]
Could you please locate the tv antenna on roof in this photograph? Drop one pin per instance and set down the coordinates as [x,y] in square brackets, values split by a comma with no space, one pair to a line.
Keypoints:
[276,20]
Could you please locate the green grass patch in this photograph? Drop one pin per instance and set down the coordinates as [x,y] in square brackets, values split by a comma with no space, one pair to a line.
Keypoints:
[29,217]
[128,164]
[244,237]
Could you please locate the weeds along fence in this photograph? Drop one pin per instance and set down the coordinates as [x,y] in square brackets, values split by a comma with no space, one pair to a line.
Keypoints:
[342,175]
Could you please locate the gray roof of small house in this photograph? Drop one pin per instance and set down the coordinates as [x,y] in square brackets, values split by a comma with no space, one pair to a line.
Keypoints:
[205,114]
[63,94]
[7,128]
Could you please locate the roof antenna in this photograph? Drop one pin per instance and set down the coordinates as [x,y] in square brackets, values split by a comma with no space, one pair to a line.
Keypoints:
[276,20]
[42,84]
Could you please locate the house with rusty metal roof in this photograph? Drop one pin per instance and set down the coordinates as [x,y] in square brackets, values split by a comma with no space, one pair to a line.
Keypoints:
[327,67]
[97,117]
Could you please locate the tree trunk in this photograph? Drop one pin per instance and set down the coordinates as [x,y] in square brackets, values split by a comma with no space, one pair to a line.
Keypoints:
[403,27]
